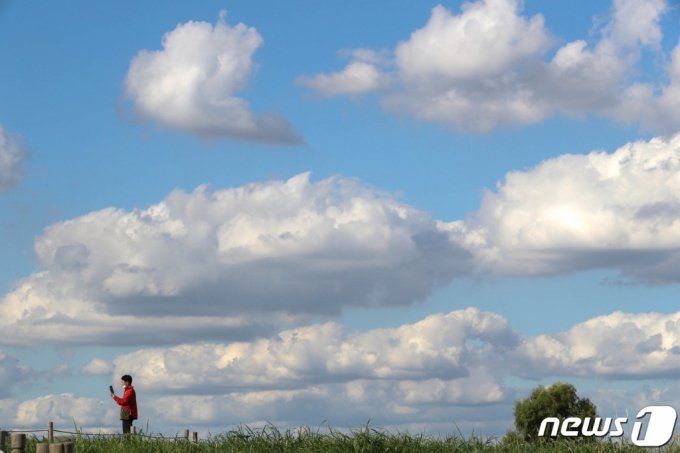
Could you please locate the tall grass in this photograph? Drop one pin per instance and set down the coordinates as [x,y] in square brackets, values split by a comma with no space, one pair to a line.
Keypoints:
[366,440]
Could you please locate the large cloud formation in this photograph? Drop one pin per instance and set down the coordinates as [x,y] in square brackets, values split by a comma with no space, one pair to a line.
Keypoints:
[234,264]
[223,263]
[486,68]
[191,85]
[439,352]
[429,407]
[62,409]
[456,362]
[616,346]
[433,373]
[13,155]
[424,375]
[436,348]
[445,369]
[578,212]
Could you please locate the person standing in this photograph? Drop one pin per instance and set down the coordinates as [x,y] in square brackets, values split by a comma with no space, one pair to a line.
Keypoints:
[128,403]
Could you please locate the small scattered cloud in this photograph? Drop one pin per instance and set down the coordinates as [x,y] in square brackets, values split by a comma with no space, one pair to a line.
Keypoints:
[357,77]
[13,156]
[191,85]
[59,371]
[362,75]
[97,367]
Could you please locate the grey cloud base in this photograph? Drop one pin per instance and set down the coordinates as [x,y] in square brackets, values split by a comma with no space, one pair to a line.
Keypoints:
[15,376]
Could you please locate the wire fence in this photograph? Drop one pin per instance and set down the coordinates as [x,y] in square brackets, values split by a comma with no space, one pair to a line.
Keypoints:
[49,434]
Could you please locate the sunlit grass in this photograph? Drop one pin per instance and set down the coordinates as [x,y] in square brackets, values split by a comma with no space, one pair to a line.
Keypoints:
[327,440]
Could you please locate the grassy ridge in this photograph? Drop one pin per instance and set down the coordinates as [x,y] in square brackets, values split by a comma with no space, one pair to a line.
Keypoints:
[365,440]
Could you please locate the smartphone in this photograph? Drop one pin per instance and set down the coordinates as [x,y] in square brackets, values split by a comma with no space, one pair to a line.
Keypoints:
[111,388]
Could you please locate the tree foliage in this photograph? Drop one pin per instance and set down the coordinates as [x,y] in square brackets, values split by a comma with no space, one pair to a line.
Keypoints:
[559,400]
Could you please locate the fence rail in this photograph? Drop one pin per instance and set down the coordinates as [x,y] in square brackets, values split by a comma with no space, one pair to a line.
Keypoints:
[18,437]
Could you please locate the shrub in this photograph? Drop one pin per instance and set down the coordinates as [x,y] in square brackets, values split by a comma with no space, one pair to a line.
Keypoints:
[559,400]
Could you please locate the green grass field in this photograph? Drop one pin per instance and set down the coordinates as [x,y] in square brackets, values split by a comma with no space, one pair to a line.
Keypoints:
[366,440]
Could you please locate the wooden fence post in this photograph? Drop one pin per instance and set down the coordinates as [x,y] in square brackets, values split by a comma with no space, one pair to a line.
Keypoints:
[69,447]
[56,448]
[18,442]
[42,448]
[50,431]
[133,429]
[186,435]
[3,439]
[195,437]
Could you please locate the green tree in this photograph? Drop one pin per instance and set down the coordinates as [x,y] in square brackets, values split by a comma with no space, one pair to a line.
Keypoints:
[559,400]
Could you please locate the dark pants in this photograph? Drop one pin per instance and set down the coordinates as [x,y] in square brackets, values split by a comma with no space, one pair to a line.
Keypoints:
[126,426]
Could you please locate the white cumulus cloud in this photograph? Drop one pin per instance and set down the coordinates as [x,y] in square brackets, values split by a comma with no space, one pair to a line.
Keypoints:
[443,369]
[427,359]
[61,409]
[191,84]
[487,38]
[486,67]
[13,155]
[577,212]
[447,405]
[412,374]
[616,346]
[227,263]
[234,264]
[656,107]
[383,402]
[434,348]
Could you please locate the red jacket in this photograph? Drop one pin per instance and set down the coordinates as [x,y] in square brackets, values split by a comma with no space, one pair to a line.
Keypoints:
[128,401]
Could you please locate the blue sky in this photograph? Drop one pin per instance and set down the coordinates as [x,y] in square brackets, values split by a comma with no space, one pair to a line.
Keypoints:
[467,227]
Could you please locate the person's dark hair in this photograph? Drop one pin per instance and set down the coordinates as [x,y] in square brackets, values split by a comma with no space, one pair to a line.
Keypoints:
[127,378]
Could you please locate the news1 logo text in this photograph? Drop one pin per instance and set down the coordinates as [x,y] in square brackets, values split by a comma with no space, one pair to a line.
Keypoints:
[660,426]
